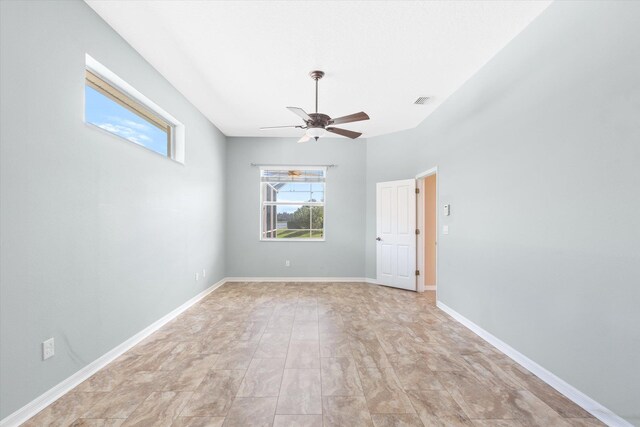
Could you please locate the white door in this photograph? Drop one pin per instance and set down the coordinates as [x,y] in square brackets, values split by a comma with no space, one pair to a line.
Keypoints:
[396,233]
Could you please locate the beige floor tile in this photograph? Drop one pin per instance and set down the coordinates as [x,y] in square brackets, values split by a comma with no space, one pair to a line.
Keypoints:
[548,395]
[585,422]
[438,408]
[190,372]
[300,392]
[263,378]
[335,345]
[303,355]
[306,313]
[393,350]
[533,411]
[252,331]
[331,325]
[489,372]
[396,420]
[273,344]
[215,394]
[98,422]
[340,377]
[498,423]
[159,409]
[198,422]
[126,397]
[119,403]
[65,410]
[417,377]
[368,353]
[251,412]
[341,411]
[384,392]
[237,357]
[305,331]
[302,404]
[400,342]
[280,323]
[298,421]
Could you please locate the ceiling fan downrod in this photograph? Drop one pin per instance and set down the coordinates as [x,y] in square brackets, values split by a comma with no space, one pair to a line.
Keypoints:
[316,75]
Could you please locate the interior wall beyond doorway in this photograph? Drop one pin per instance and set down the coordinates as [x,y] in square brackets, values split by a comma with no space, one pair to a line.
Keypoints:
[430,230]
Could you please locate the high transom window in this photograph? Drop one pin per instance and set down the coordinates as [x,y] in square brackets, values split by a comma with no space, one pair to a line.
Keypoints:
[114,106]
[292,203]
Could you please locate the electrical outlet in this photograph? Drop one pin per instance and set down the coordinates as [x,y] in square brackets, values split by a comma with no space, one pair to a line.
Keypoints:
[204,273]
[48,349]
[197,277]
[287,263]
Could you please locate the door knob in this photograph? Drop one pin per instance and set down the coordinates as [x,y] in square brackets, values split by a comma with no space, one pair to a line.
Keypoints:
[378,239]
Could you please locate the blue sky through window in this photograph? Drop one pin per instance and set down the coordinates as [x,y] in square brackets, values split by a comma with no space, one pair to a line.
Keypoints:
[114,118]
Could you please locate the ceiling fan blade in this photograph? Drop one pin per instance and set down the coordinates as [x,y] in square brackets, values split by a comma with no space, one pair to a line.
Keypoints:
[280,127]
[305,138]
[299,112]
[350,118]
[348,133]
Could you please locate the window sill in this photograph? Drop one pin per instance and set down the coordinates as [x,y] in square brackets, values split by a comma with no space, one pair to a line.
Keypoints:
[293,240]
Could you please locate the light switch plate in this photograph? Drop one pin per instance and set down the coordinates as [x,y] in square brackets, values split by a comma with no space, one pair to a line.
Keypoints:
[445,229]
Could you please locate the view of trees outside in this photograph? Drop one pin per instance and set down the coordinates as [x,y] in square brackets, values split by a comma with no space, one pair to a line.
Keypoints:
[300,222]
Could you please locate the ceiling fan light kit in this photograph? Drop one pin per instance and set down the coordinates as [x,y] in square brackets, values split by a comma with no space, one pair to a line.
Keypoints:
[318,124]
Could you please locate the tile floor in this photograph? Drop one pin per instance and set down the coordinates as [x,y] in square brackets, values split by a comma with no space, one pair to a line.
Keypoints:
[313,354]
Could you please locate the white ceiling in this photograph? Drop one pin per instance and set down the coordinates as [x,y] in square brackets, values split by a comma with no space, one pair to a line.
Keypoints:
[242,62]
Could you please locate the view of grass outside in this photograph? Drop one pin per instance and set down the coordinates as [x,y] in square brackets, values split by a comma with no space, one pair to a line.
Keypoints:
[299,234]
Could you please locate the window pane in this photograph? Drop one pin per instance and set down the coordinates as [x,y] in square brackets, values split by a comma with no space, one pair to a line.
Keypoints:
[292,221]
[298,192]
[107,114]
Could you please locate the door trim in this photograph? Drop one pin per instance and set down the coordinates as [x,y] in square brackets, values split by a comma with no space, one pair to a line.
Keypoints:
[420,225]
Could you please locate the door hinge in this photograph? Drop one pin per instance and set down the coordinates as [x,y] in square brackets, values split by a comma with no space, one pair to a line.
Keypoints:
[417,191]
[417,272]
[417,231]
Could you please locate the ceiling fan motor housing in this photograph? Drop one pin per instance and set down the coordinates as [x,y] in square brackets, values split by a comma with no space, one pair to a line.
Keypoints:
[318,120]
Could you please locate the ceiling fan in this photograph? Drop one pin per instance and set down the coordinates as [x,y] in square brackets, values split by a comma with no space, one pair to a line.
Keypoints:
[318,124]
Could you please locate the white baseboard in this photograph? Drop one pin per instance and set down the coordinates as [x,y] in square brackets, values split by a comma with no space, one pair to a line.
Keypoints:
[579,398]
[53,394]
[297,279]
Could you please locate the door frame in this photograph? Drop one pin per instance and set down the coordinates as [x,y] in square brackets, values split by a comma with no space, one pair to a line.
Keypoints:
[420,225]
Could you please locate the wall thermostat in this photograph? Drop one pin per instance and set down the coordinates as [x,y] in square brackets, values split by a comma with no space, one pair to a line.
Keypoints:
[447,210]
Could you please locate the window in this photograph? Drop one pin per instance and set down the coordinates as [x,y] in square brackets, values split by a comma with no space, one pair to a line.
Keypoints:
[292,203]
[115,107]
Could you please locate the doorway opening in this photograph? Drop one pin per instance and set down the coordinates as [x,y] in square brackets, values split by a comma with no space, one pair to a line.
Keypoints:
[427,224]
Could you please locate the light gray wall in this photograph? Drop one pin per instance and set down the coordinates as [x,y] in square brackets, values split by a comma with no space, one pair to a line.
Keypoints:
[99,237]
[539,157]
[341,254]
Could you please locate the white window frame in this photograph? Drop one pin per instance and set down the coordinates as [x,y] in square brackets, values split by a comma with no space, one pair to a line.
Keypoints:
[177,149]
[323,204]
